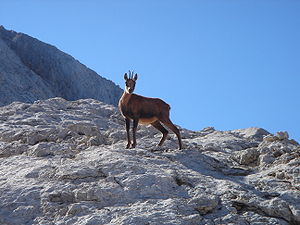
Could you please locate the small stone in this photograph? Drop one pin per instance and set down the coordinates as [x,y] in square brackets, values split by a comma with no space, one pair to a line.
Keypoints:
[41,150]
[270,138]
[77,209]
[204,203]
[280,175]
[282,135]
[95,141]
[61,197]
[247,156]
[266,159]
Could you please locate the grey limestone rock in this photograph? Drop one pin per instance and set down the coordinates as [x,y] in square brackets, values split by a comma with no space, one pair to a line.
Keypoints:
[31,70]
[247,156]
[65,162]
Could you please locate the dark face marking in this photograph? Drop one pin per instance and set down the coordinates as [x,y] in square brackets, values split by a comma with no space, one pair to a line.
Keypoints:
[130,85]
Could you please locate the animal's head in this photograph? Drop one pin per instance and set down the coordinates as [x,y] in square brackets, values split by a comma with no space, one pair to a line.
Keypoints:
[130,81]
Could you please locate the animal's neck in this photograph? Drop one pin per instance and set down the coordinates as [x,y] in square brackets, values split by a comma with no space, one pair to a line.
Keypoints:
[125,97]
[126,94]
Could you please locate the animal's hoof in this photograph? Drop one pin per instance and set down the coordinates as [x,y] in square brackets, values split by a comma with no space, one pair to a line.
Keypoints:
[133,145]
[128,146]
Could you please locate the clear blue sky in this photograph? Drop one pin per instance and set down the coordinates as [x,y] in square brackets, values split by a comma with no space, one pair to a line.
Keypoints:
[227,64]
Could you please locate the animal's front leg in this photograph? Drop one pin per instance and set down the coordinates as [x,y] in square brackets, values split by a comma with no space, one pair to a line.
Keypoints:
[135,124]
[127,121]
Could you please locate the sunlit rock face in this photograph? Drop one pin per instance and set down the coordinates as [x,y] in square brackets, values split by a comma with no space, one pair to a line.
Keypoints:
[31,70]
[65,162]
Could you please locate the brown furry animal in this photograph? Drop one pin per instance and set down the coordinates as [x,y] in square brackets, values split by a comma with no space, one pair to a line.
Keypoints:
[144,110]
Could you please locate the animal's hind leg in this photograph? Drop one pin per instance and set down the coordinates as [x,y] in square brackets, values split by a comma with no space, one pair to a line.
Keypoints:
[163,130]
[169,124]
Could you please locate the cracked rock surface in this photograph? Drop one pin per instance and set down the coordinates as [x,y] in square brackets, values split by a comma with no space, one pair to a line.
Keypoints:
[65,162]
[31,70]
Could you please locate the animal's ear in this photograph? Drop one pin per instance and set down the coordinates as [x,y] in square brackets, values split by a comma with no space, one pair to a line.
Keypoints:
[125,76]
[135,77]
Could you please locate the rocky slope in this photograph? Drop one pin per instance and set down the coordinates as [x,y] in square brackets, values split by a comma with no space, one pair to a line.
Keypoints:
[31,70]
[64,162]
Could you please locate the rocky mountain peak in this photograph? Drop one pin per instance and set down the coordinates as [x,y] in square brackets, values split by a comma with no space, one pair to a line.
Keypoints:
[31,70]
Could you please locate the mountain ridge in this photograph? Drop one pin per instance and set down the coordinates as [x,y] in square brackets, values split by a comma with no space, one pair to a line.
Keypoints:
[33,70]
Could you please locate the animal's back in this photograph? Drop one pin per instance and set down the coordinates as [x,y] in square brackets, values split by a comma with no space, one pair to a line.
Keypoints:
[150,101]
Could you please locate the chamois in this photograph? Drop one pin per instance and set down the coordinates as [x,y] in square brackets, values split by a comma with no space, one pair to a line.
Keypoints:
[144,110]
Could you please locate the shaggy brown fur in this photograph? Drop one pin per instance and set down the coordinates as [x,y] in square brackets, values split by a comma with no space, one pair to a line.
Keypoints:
[145,110]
